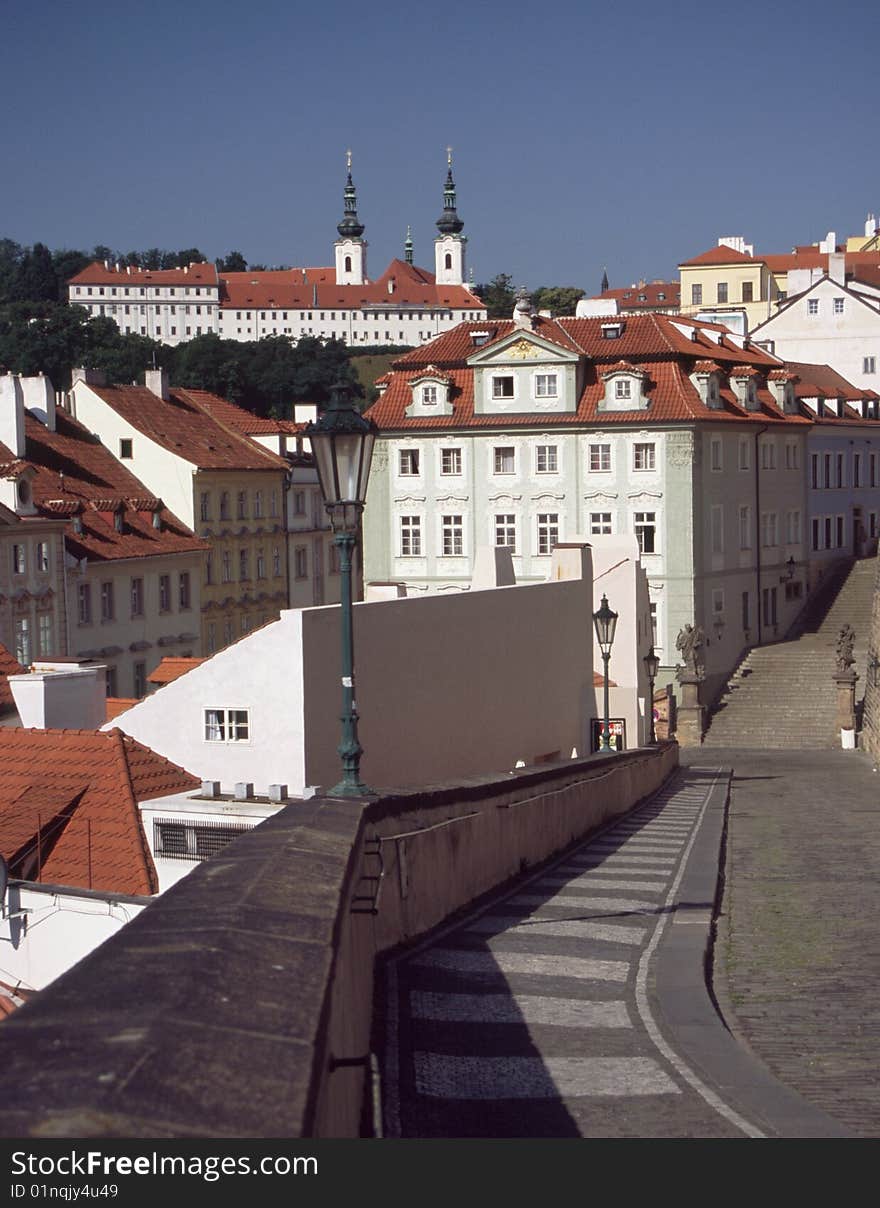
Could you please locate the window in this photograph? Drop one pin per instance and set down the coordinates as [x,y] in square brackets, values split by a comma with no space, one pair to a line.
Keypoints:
[814,471]
[546,460]
[258,505]
[429,393]
[301,562]
[125,447]
[816,527]
[504,459]
[826,459]
[717,523]
[241,504]
[768,455]
[505,530]
[548,531]
[793,527]
[722,291]
[205,505]
[453,539]
[227,725]
[137,597]
[19,560]
[744,458]
[747,291]
[791,455]
[715,453]
[84,601]
[502,387]
[769,531]
[43,557]
[139,680]
[107,610]
[645,527]
[450,461]
[408,464]
[769,600]
[838,528]
[410,536]
[839,467]
[299,503]
[243,567]
[273,504]
[209,569]
[545,385]
[812,306]
[857,470]
[745,527]
[600,523]
[224,505]
[23,640]
[44,633]
[276,563]
[623,388]
[838,306]
[261,564]
[872,469]
[643,457]
[696,295]
[869,365]
[183,592]
[226,567]
[600,459]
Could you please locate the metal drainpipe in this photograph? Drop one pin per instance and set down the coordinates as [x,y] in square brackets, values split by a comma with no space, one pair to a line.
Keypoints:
[758,434]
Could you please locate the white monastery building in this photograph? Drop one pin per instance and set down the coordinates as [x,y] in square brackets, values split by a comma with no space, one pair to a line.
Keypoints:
[405,305]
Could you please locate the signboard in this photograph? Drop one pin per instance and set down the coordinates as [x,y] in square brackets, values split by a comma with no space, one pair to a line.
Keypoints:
[617,727]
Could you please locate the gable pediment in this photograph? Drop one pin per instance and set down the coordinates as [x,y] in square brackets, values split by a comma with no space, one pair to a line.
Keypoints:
[520,347]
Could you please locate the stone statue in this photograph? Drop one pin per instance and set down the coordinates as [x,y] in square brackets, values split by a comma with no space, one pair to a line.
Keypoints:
[845,641]
[690,642]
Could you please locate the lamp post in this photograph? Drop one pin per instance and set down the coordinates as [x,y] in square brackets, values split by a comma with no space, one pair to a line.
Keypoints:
[652,666]
[342,442]
[605,621]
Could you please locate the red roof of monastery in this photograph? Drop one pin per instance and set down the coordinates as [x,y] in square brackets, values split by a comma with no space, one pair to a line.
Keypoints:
[69,807]
[99,273]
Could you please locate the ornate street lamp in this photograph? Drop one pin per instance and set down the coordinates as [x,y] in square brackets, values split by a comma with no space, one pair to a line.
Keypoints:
[605,622]
[342,442]
[652,666]
[874,670]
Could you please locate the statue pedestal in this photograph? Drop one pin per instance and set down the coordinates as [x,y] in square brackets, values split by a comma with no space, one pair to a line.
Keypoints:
[691,714]
[846,699]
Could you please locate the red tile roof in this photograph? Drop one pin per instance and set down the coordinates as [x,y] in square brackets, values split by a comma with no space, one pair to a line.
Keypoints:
[97,273]
[171,668]
[629,297]
[722,255]
[119,704]
[8,666]
[185,425]
[821,380]
[77,475]
[241,419]
[308,289]
[69,802]
[664,348]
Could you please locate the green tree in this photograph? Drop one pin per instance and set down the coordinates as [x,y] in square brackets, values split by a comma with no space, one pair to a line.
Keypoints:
[49,338]
[10,259]
[498,296]
[36,280]
[558,299]
[233,263]
[67,264]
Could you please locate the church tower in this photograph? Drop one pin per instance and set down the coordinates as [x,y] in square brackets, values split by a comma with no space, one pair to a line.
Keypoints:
[449,246]
[351,249]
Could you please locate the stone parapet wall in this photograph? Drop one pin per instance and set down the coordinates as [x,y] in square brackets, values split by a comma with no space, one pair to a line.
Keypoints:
[870,735]
[240,1003]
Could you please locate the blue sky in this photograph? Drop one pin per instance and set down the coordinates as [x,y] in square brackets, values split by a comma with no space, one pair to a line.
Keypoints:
[584,134]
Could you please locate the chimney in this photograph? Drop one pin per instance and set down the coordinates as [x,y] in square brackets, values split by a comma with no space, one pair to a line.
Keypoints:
[278,792]
[211,789]
[156,381]
[59,696]
[837,267]
[39,399]
[244,790]
[12,414]
[89,377]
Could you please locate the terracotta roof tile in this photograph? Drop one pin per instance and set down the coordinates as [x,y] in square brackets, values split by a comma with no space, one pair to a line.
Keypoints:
[656,293]
[722,255]
[77,475]
[79,790]
[97,273]
[171,668]
[185,426]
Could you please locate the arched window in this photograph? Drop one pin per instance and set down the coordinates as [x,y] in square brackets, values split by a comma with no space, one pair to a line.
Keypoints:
[449,260]
[348,264]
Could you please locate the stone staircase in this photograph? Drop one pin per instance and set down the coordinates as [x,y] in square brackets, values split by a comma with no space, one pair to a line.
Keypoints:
[783,695]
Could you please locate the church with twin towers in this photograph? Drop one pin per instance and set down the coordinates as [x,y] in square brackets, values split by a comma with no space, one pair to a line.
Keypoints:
[406,305]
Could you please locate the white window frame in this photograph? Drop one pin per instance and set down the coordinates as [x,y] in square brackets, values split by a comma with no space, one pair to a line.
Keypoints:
[546,385]
[549,455]
[745,526]
[497,380]
[504,524]
[225,724]
[451,461]
[410,533]
[601,524]
[499,456]
[644,526]
[601,453]
[716,455]
[716,528]
[406,460]
[644,457]
[452,535]
[547,530]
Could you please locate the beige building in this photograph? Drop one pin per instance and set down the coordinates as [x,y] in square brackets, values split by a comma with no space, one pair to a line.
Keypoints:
[229,488]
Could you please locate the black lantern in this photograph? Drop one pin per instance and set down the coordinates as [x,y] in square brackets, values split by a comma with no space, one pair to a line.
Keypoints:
[605,622]
[652,666]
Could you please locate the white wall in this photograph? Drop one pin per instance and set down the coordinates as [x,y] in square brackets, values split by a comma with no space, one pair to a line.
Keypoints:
[447,686]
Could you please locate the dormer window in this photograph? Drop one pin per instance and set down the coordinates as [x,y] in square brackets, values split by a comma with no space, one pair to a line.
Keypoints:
[479,338]
[623,388]
[502,387]
[612,331]
[429,396]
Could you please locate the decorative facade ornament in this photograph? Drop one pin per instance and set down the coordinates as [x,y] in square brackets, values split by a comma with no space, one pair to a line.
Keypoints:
[523,350]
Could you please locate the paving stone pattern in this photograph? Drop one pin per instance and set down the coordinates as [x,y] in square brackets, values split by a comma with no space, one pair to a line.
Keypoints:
[527,1019]
[798,961]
